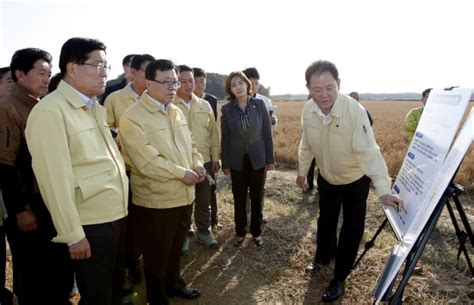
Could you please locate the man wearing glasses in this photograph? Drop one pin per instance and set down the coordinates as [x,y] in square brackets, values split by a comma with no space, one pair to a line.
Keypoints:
[165,167]
[336,132]
[116,104]
[81,173]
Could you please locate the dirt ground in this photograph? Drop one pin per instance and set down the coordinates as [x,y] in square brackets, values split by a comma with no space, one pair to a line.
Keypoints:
[275,274]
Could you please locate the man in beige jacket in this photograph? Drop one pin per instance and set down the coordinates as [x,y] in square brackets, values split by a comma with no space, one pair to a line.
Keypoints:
[338,134]
[80,172]
[165,166]
[202,124]
[116,104]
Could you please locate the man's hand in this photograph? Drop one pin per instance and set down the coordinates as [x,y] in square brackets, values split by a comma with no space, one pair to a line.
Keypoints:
[216,166]
[226,171]
[80,250]
[273,119]
[201,171]
[270,167]
[301,182]
[190,177]
[392,201]
[26,221]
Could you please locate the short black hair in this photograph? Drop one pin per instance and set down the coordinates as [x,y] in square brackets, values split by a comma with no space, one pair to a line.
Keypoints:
[198,72]
[76,50]
[319,67]
[127,60]
[184,68]
[161,65]
[138,60]
[252,73]
[4,71]
[25,59]
[426,92]
[54,82]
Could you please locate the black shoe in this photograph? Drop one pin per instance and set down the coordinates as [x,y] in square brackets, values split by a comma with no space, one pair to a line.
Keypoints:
[187,293]
[134,275]
[333,292]
[6,297]
[264,221]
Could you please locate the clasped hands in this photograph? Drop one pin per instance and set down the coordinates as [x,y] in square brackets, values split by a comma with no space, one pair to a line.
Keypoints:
[194,176]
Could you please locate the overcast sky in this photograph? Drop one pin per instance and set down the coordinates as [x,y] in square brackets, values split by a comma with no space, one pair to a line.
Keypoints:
[378,46]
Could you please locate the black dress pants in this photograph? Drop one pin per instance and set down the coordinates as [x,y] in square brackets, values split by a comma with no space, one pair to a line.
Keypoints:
[252,182]
[100,277]
[132,251]
[353,198]
[42,272]
[160,234]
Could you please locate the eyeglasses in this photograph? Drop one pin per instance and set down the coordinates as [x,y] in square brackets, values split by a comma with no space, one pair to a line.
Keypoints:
[99,66]
[168,83]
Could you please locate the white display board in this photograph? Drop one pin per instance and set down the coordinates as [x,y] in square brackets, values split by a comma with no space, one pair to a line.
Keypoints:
[443,177]
[434,135]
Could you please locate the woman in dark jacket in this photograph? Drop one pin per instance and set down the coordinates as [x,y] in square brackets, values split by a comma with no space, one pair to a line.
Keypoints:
[247,152]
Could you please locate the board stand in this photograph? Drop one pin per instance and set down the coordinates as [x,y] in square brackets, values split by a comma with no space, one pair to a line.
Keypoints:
[453,191]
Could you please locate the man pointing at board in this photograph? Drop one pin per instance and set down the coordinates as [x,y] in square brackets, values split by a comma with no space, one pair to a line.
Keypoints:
[337,132]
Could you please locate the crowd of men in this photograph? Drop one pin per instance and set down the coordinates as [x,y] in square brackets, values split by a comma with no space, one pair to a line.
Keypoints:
[89,189]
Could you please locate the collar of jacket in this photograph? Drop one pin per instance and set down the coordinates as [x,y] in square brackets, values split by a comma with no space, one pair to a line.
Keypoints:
[129,93]
[251,103]
[70,95]
[21,94]
[338,107]
[151,106]
[194,101]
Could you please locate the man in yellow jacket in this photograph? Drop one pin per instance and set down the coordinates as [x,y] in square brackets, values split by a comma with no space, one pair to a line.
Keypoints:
[80,172]
[165,167]
[337,133]
[414,115]
[202,124]
[116,104]
[119,101]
